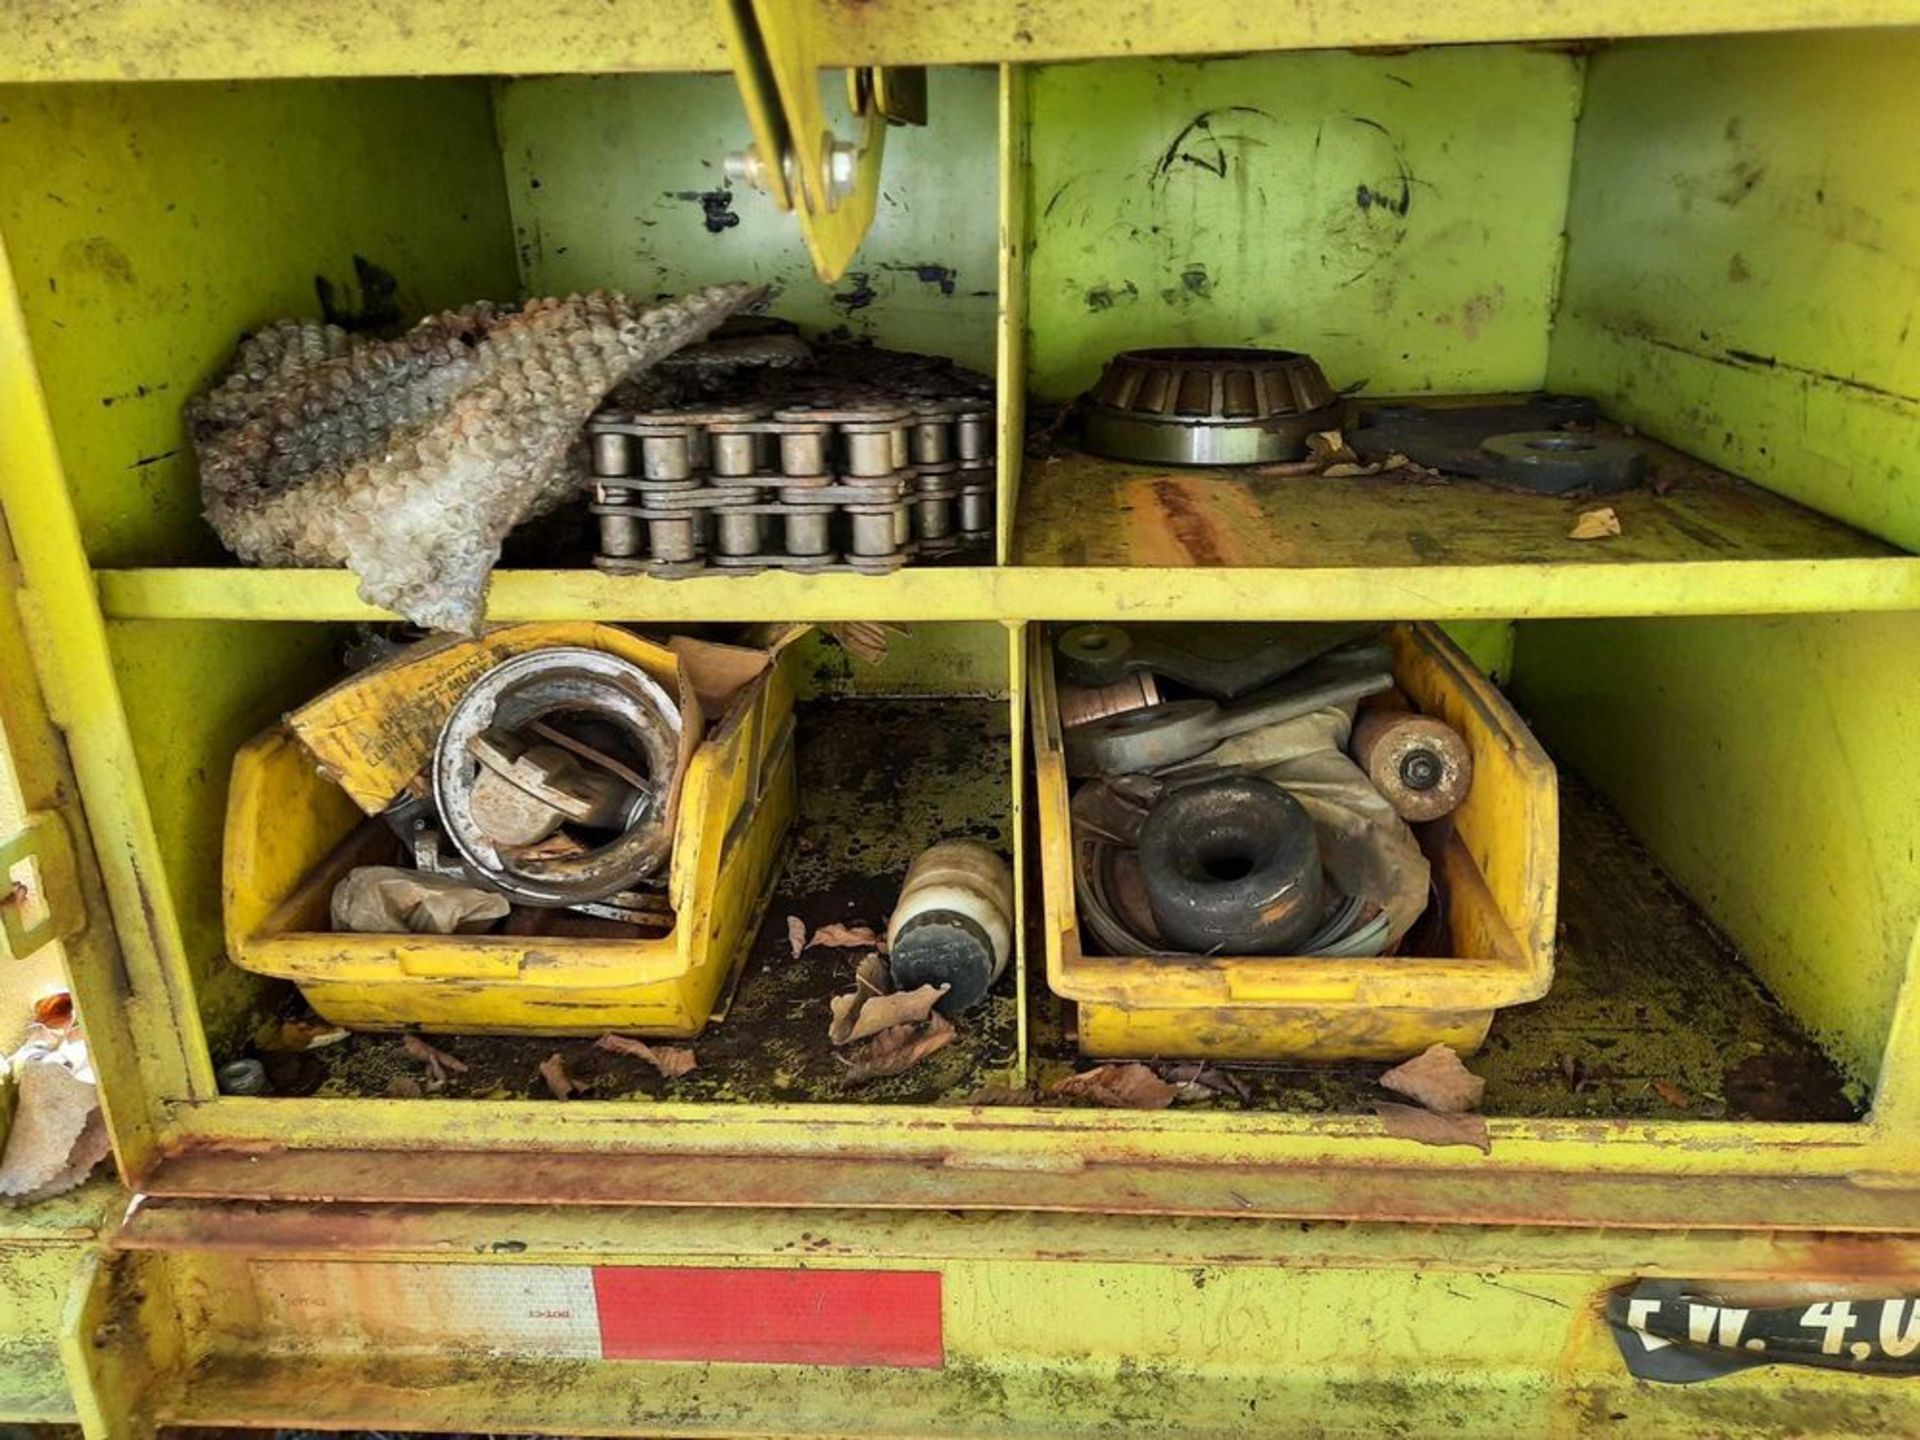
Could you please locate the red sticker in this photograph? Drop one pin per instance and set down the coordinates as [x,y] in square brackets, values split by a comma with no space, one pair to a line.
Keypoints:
[770,1317]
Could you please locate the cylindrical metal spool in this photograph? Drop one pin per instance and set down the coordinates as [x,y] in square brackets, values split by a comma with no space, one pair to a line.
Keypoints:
[612,453]
[739,533]
[620,535]
[673,538]
[973,435]
[809,531]
[976,512]
[931,436]
[934,491]
[870,450]
[1420,764]
[667,454]
[872,531]
[734,453]
[803,447]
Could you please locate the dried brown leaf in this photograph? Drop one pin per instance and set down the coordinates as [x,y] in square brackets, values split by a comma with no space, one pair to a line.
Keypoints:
[672,1061]
[1329,446]
[553,1070]
[1672,1094]
[872,975]
[796,934]
[842,1012]
[438,1062]
[895,1051]
[1595,524]
[1197,1079]
[874,1013]
[1436,1079]
[405,1087]
[866,639]
[844,937]
[1131,1086]
[293,1036]
[1410,1122]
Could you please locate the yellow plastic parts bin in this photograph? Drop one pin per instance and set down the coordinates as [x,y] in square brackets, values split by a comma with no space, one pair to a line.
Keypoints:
[1500,868]
[292,834]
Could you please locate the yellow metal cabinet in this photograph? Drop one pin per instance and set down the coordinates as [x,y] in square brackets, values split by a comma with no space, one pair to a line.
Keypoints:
[1694,222]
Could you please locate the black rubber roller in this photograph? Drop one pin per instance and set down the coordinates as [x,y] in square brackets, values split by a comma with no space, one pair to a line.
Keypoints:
[1232,867]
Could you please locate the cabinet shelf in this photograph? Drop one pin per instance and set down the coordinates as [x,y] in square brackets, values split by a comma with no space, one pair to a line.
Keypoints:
[1532,590]
[1097,538]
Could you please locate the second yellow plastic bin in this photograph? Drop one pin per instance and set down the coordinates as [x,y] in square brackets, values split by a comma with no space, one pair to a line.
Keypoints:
[1500,868]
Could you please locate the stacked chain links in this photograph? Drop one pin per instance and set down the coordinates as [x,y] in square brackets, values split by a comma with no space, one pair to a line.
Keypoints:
[859,479]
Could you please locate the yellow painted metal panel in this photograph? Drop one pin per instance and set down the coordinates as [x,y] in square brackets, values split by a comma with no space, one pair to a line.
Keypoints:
[41,1249]
[1743,242]
[973,30]
[1774,766]
[32,772]
[210,40]
[1016,247]
[617,181]
[124,967]
[194,693]
[1486,590]
[1396,216]
[148,226]
[1050,1325]
[200,39]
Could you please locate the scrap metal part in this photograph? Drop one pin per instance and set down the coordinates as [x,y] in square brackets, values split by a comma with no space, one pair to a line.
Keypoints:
[1110,888]
[862,461]
[1419,764]
[409,460]
[1222,660]
[471,762]
[1207,406]
[1167,734]
[1543,443]
[1232,867]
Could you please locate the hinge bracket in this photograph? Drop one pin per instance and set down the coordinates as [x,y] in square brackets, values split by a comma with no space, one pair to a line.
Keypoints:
[797,157]
[39,886]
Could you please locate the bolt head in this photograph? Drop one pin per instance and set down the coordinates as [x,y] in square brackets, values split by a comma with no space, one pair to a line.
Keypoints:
[744,167]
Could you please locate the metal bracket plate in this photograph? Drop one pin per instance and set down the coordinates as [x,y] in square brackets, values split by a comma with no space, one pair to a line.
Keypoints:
[831,183]
[52,894]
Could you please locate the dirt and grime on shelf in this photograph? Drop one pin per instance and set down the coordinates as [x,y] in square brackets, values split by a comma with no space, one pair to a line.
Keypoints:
[1653,1015]
[879,781]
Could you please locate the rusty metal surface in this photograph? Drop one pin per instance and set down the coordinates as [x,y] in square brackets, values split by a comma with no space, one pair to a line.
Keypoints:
[1361,1192]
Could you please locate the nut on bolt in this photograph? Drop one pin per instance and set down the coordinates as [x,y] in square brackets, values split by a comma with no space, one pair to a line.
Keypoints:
[842,161]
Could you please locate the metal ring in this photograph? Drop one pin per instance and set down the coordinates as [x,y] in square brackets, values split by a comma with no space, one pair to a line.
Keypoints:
[521,690]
